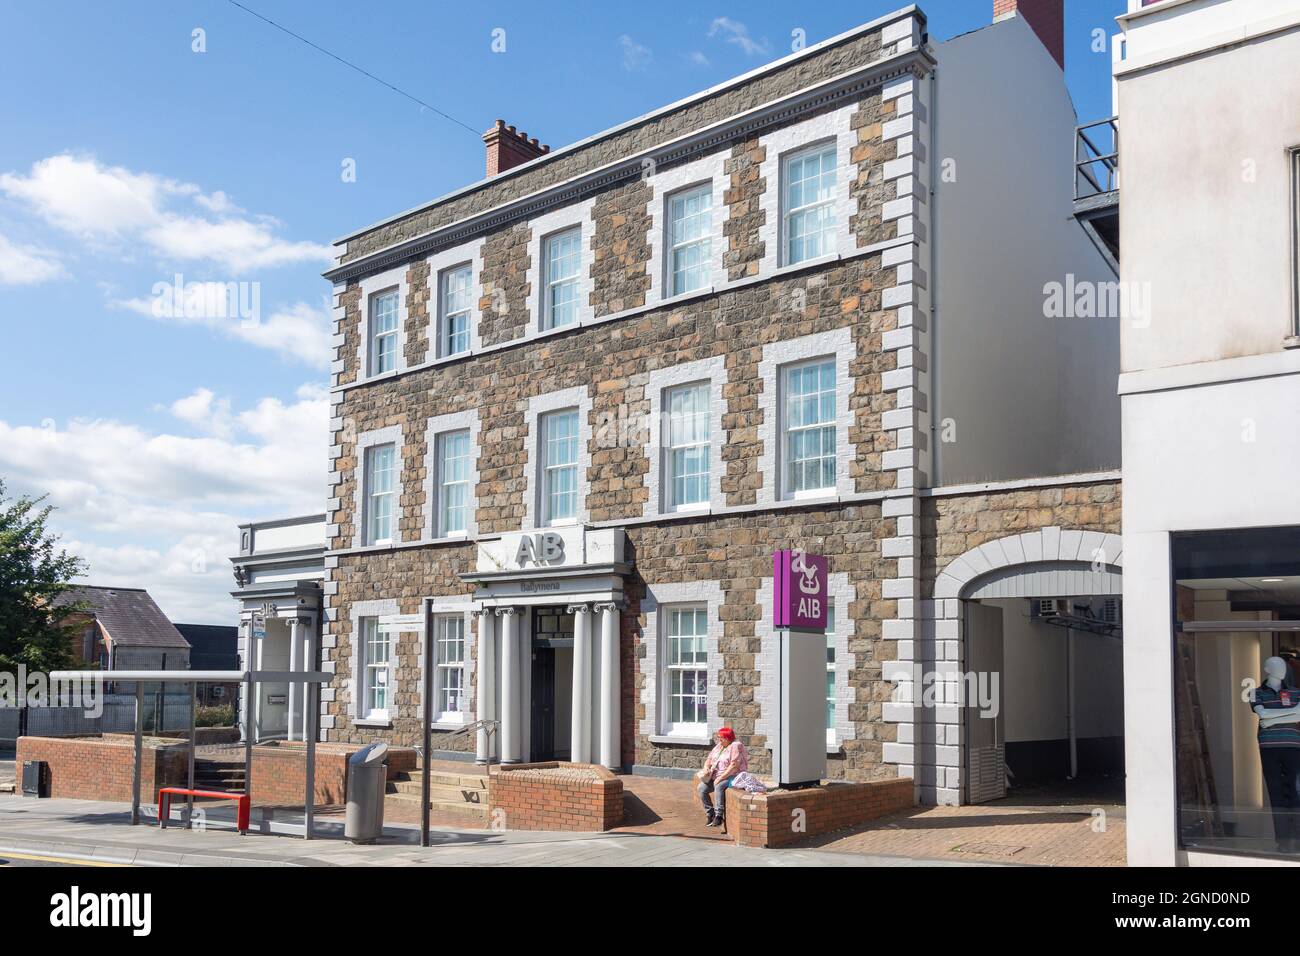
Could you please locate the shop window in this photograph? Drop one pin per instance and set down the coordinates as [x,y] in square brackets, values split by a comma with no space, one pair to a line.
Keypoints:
[1237,690]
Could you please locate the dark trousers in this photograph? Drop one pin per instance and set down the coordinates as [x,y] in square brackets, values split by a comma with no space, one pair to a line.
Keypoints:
[1282,778]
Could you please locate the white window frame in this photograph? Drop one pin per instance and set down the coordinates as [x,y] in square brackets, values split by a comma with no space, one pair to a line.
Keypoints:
[546,467]
[444,530]
[441,263]
[393,493]
[788,213]
[372,286]
[445,349]
[577,397]
[369,634]
[656,602]
[832,661]
[836,126]
[432,517]
[712,371]
[684,728]
[541,228]
[391,435]
[671,247]
[442,666]
[669,455]
[837,344]
[374,351]
[788,491]
[706,171]
[549,282]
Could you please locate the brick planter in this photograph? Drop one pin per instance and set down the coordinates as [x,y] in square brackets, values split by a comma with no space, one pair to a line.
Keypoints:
[280,772]
[103,768]
[785,817]
[556,796]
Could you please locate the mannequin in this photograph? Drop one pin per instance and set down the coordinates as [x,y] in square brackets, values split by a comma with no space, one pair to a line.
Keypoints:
[1277,704]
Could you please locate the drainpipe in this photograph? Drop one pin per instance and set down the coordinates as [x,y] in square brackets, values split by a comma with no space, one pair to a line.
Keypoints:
[935,377]
[1069,703]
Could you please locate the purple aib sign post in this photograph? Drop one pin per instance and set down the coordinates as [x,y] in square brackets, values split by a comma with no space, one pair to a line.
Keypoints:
[799,585]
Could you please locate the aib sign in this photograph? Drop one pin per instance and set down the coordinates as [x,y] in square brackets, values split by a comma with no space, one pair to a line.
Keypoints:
[799,583]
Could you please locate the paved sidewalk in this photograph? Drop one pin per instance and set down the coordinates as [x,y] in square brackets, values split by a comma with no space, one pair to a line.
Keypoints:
[90,830]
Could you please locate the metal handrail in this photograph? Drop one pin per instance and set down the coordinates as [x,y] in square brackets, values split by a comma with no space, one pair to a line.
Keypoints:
[1096,171]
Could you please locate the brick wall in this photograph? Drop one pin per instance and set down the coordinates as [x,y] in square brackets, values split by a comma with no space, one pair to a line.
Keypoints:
[783,818]
[280,772]
[555,796]
[102,768]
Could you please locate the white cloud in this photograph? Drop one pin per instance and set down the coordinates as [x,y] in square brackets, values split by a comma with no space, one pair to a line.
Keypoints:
[176,221]
[697,58]
[158,509]
[26,265]
[733,31]
[635,56]
[298,331]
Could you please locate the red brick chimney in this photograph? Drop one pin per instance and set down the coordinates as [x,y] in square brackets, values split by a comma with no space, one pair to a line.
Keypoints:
[506,148]
[1045,17]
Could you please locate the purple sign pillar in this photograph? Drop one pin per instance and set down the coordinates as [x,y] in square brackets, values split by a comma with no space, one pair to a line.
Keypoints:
[799,590]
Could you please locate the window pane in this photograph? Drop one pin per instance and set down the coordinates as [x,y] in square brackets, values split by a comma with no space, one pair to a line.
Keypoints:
[560,465]
[809,198]
[688,429]
[453,482]
[563,262]
[383,333]
[690,222]
[379,477]
[457,298]
[451,663]
[809,410]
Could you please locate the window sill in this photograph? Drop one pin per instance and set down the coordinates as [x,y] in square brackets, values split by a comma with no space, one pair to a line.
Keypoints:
[681,739]
[447,725]
[681,297]
[381,723]
[806,264]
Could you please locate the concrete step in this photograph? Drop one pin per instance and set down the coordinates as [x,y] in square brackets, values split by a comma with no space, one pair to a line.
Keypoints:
[456,812]
[462,781]
[439,792]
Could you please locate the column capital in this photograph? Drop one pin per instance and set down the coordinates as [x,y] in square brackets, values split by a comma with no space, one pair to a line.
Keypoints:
[505,611]
[578,609]
[609,605]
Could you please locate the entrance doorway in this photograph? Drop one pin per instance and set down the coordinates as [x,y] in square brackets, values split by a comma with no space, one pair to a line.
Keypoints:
[552,684]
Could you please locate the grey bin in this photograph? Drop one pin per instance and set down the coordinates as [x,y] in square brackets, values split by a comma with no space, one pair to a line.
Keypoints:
[367,780]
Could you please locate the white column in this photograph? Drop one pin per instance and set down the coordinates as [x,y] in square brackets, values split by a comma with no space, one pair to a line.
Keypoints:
[609,691]
[295,664]
[511,732]
[580,725]
[258,688]
[486,680]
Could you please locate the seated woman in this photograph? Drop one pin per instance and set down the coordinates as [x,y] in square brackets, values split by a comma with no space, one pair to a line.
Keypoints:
[727,759]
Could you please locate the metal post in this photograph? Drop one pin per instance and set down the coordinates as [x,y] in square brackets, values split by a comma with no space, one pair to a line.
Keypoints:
[189,798]
[312,694]
[139,752]
[428,723]
[250,686]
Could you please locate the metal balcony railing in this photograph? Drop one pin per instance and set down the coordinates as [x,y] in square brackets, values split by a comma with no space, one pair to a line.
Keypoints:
[1096,158]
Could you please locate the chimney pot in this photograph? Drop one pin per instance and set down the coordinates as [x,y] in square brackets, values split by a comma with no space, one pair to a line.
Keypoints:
[506,151]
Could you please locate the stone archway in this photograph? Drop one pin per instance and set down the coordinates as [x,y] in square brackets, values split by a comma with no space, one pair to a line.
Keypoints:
[1045,562]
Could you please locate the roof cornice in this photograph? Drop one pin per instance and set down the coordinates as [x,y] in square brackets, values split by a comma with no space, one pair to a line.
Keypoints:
[846,86]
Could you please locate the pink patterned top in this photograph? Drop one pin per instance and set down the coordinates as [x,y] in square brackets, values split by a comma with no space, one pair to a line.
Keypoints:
[727,760]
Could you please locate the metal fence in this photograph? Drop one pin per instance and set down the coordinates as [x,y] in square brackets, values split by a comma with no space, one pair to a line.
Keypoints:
[162,713]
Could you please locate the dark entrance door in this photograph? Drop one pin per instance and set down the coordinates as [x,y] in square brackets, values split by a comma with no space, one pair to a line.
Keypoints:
[552,632]
[543,715]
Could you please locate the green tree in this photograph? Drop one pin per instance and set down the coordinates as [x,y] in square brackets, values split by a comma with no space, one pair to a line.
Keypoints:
[34,627]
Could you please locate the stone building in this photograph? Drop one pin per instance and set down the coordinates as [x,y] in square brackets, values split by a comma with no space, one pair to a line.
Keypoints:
[578,404]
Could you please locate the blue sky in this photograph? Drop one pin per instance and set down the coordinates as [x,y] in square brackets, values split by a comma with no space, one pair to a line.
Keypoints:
[128,158]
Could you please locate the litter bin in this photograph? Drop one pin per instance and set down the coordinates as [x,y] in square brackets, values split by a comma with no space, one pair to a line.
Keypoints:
[367,779]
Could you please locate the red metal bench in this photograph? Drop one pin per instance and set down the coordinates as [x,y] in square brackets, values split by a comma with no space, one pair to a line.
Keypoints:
[166,793]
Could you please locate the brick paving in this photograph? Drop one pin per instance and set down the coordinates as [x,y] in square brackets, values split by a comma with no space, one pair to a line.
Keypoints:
[663,807]
[1040,836]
